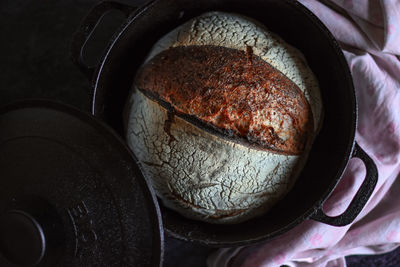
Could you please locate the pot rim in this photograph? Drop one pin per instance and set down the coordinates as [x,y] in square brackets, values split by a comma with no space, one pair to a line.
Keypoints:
[308,214]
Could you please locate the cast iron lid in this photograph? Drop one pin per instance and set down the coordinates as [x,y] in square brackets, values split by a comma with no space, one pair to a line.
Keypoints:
[71,193]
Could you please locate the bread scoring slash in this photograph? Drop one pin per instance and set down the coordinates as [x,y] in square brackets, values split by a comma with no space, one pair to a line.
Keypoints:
[221,117]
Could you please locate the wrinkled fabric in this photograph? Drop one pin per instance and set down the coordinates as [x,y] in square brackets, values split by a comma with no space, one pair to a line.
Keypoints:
[369,34]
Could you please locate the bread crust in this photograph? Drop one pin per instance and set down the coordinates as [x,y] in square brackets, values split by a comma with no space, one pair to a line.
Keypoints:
[231,92]
[194,162]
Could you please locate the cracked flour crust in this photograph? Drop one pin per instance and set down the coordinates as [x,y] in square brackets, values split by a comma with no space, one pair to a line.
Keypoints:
[199,174]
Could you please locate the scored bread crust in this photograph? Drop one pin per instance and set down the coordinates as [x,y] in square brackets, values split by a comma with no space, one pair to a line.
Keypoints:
[202,175]
[235,93]
[238,32]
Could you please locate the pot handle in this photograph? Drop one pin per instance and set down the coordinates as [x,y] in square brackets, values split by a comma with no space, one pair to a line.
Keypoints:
[360,199]
[87,27]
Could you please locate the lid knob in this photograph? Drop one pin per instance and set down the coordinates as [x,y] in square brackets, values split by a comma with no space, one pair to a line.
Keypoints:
[22,239]
[31,232]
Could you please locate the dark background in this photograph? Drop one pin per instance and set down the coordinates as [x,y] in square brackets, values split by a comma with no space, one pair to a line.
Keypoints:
[35,38]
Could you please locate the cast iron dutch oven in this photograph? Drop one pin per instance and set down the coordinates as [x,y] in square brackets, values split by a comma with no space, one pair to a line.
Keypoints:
[331,151]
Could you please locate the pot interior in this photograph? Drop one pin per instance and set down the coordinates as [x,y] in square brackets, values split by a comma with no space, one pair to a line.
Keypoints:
[297,26]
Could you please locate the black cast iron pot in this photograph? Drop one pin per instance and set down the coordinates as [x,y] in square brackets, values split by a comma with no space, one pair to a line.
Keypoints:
[332,149]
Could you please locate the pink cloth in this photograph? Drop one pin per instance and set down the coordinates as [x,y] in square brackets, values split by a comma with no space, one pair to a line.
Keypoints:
[369,33]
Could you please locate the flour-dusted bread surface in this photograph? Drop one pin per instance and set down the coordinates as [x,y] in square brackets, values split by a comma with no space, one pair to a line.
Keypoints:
[202,175]
[222,141]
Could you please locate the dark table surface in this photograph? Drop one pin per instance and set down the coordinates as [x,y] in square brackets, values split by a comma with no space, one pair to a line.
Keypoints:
[35,63]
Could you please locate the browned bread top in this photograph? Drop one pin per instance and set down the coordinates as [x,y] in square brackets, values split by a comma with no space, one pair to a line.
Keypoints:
[235,92]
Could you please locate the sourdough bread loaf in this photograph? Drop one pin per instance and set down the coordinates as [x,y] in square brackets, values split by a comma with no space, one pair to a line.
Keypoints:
[221,117]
